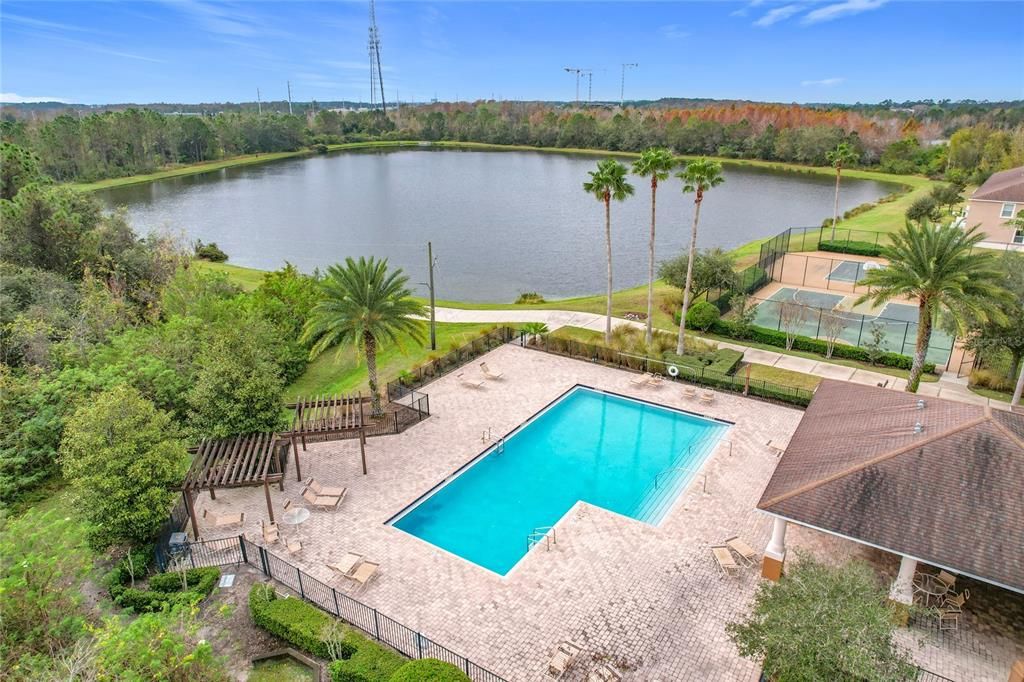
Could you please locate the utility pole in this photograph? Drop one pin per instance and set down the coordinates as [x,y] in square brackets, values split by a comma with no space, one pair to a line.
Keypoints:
[622,90]
[376,77]
[259,102]
[571,69]
[430,279]
[289,98]
[590,84]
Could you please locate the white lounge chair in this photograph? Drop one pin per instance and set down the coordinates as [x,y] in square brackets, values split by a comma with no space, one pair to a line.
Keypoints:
[222,520]
[467,382]
[488,374]
[321,501]
[604,673]
[327,491]
[565,655]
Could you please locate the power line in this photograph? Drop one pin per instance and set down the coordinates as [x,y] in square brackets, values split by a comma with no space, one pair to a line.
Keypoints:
[376,78]
[622,90]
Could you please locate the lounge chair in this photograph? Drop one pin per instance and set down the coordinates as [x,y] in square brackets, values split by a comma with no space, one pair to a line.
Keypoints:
[656,380]
[488,374]
[725,561]
[321,501]
[775,449]
[707,397]
[641,380]
[363,573]
[690,391]
[347,564]
[222,520]
[605,673]
[565,655]
[467,382]
[293,545]
[746,552]
[327,491]
[271,534]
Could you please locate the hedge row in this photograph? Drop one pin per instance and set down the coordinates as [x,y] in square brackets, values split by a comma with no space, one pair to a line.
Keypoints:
[165,591]
[808,344]
[303,625]
[429,670]
[722,361]
[854,247]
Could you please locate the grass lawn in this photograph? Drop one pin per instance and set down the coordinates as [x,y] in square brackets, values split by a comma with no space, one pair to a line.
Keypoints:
[336,371]
[777,375]
[990,393]
[246,278]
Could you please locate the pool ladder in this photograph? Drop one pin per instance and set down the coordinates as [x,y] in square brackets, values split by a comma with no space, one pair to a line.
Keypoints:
[486,437]
[545,534]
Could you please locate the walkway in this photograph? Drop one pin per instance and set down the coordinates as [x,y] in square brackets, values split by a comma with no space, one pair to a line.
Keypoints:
[948,388]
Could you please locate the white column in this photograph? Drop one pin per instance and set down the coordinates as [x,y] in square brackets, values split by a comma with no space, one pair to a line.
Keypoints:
[903,587]
[776,548]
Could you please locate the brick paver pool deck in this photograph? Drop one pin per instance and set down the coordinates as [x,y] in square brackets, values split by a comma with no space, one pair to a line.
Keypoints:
[649,599]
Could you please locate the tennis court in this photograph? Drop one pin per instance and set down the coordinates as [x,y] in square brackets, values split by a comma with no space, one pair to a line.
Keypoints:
[898,322]
[847,271]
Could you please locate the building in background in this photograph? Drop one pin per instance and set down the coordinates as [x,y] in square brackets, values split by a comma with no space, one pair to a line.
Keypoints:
[994,204]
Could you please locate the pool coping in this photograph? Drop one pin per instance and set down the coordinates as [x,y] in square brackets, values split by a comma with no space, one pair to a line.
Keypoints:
[390,521]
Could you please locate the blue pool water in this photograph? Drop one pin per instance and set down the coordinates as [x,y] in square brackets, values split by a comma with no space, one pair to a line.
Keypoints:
[592,446]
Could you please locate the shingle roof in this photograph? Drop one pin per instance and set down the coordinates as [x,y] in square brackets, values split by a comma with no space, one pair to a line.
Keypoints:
[1007,185]
[951,495]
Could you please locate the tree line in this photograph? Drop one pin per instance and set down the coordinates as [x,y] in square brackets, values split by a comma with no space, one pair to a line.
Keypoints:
[132,141]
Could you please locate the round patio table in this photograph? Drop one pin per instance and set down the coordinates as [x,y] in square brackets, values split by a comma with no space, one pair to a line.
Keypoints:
[295,516]
[930,586]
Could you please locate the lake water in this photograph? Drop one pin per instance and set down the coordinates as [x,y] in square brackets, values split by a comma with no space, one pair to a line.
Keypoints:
[501,223]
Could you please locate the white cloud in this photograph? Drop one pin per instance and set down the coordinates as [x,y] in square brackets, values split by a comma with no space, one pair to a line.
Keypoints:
[841,9]
[674,32]
[15,98]
[778,14]
[823,83]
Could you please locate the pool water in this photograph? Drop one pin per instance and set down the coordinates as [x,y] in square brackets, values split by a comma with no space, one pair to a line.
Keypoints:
[588,445]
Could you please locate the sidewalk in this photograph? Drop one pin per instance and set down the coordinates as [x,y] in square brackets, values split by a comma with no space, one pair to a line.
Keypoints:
[947,389]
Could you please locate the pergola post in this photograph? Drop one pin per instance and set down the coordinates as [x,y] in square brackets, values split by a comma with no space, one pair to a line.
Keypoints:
[298,466]
[362,447]
[280,469]
[902,590]
[270,506]
[190,507]
[775,552]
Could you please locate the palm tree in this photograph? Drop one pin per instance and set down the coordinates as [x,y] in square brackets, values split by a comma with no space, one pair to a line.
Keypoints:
[655,162]
[366,305]
[941,269]
[842,155]
[606,183]
[698,176]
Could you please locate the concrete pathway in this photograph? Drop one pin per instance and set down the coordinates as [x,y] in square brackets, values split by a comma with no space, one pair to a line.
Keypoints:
[948,387]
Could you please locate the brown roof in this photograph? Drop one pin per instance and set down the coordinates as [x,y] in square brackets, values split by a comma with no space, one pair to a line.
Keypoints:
[951,495]
[1007,185]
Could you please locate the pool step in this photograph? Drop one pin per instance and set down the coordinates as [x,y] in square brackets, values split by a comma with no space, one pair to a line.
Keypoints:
[655,504]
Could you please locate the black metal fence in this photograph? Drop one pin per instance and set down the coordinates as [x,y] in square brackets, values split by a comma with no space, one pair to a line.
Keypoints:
[701,376]
[381,627]
[418,376]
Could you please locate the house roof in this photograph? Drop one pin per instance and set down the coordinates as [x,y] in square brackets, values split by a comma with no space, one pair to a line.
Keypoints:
[951,495]
[1007,185]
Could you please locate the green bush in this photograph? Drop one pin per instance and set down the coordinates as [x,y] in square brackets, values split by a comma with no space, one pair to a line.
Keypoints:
[293,620]
[197,579]
[721,361]
[210,252]
[371,662]
[854,247]
[702,315]
[134,565]
[772,337]
[986,378]
[165,591]
[529,297]
[429,670]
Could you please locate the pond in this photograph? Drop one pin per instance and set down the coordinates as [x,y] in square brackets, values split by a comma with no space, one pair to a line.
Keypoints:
[501,222]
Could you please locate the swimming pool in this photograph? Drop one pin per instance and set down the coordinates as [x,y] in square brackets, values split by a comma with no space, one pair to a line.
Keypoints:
[625,455]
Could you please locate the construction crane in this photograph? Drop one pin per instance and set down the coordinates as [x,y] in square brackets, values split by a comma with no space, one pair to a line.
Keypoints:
[590,83]
[622,90]
[376,78]
[578,72]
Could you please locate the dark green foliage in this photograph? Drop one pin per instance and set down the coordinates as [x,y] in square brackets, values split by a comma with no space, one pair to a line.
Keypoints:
[529,297]
[371,662]
[428,670]
[210,252]
[853,247]
[702,315]
[772,337]
[721,361]
[924,208]
[134,566]
[948,196]
[165,590]
[18,167]
[712,269]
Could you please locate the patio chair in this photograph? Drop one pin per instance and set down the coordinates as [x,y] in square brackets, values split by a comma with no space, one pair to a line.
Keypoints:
[746,552]
[363,573]
[947,579]
[690,392]
[957,601]
[347,564]
[324,502]
[271,533]
[223,520]
[467,382]
[707,398]
[776,450]
[327,491]
[293,545]
[565,655]
[725,561]
[605,673]
[656,380]
[488,374]
[641,380]
[949,620]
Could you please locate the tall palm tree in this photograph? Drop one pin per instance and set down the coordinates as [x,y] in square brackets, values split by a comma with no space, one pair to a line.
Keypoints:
[606,183]
[843,155]
[657,163]
[941,269]
[366,305]
[698,176]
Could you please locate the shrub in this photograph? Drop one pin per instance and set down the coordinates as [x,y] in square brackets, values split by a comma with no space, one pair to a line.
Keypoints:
[133,566]
[371,662]
[986,378]
[428,670]
[702,315]
[165,591]
[720,361]
[210,252]
[197,579]
[529,297]
[293,620]
[855,247]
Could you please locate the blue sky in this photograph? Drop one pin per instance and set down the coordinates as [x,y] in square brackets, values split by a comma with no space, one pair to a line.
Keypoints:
[787,50]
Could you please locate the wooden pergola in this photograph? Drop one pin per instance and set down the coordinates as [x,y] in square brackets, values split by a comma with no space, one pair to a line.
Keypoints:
[330,417]
[240,461]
